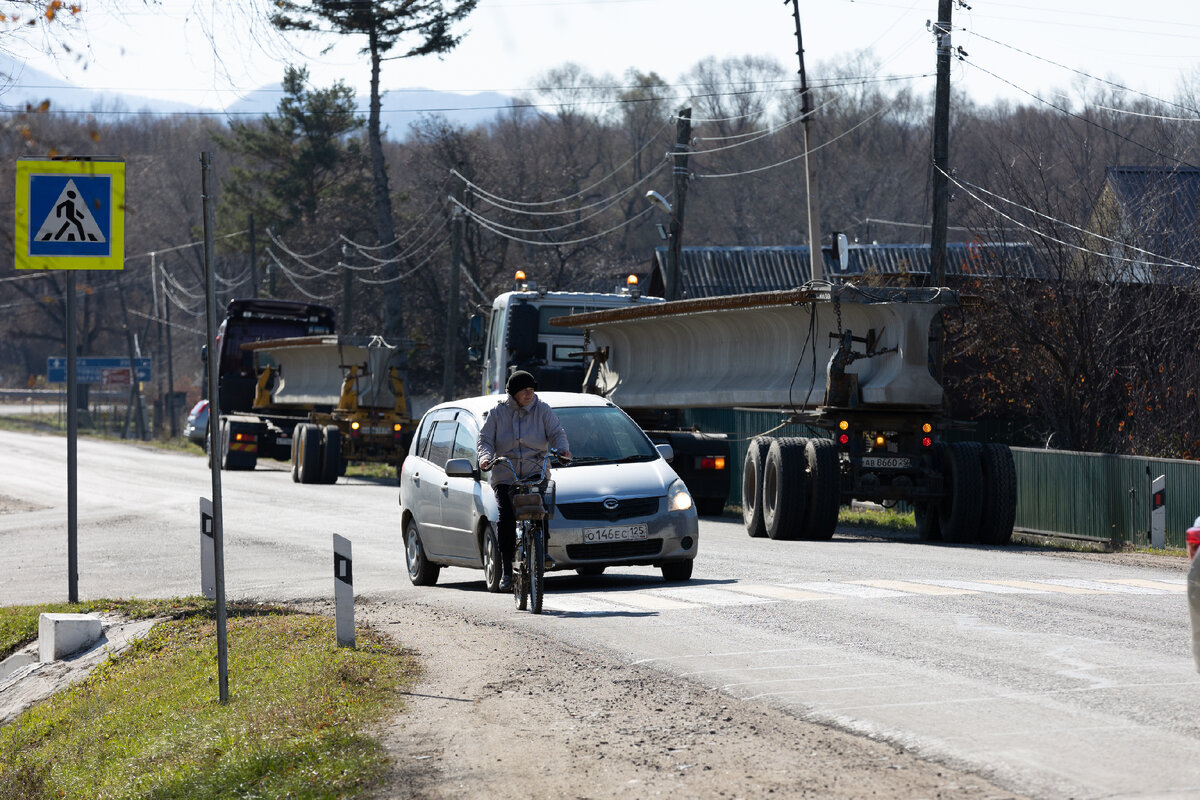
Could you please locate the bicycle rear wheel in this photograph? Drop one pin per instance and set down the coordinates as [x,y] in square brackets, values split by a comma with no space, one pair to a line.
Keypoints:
[537,566]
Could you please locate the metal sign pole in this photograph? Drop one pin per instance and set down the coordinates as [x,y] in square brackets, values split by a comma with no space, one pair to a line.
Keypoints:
[72,449]
[214,415]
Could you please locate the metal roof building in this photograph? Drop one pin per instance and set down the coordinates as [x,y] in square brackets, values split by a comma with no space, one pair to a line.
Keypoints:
[713,271]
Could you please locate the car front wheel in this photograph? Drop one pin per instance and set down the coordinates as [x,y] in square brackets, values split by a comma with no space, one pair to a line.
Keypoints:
[677,571]
[420,571]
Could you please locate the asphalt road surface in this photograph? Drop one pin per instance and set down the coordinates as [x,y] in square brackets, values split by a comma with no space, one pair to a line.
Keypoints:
[1057,676]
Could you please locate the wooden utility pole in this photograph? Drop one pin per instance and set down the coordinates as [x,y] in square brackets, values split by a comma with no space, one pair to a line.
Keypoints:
[941,148]
[679,160]
[450,360]
[815,259]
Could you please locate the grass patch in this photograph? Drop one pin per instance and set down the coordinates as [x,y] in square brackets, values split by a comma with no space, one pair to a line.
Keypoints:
[888,519]
[147,724]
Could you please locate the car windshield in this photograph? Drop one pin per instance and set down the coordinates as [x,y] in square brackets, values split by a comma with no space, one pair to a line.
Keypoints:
[604,435]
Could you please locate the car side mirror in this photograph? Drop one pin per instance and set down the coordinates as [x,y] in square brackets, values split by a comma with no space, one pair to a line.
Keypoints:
[461,468]
[666,451]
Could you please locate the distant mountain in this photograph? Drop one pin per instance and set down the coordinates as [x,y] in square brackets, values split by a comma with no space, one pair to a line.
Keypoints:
[22,86]
[400,107]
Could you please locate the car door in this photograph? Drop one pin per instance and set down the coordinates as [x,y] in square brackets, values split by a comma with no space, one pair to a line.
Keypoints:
[427,482]
[461,498]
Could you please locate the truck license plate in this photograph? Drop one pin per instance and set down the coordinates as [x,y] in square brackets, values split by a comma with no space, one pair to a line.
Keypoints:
[889,462]
[624,533]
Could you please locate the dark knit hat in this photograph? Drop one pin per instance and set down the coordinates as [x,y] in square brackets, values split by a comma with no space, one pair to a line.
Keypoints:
[520,380]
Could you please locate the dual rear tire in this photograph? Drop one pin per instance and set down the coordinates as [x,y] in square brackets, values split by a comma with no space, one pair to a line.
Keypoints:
[316,453]
[791,488]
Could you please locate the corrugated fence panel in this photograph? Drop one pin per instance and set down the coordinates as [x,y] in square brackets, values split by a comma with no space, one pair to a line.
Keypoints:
[1078,494]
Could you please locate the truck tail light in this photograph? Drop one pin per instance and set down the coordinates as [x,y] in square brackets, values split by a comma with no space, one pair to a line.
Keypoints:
[712,462]
[397,429]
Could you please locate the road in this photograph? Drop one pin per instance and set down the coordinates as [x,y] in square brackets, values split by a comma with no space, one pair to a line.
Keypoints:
[1055,676]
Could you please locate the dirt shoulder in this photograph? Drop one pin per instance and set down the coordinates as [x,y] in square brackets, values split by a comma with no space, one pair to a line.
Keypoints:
[502,713]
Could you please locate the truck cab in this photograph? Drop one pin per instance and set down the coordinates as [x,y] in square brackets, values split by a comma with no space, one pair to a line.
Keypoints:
[515,333]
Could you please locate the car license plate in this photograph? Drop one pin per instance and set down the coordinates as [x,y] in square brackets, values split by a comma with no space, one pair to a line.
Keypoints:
[624,533]
[890,462]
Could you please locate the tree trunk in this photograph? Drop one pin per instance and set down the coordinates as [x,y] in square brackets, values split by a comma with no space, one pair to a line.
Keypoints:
[393,311]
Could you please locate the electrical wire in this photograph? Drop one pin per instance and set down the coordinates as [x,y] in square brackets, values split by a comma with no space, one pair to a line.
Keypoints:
[482,193]
[488,225]
[967,187]
[800,155]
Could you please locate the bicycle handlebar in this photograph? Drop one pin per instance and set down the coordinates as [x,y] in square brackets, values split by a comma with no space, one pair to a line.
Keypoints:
[550,453]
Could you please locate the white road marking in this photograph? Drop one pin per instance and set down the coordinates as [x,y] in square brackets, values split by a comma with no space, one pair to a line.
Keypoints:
[1169,586]
[776,592]
[861,590]
[713,597]
[1104,586]
[912,587]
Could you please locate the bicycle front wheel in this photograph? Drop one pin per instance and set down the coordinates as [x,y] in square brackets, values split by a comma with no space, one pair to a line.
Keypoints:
[520,583]
[537,566]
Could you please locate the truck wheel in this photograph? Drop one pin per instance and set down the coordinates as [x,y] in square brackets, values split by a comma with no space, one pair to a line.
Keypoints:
[420,571]
[784,489]
[824,484]
[958,513]
[297,436]
[331,453]
[752,468]
[999,494]
[309,454]
[926,517]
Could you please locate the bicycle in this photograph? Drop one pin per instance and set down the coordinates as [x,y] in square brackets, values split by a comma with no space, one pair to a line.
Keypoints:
[533,506]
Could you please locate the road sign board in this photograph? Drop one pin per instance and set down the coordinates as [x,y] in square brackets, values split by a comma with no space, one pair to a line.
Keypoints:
[70,214]
[97,369]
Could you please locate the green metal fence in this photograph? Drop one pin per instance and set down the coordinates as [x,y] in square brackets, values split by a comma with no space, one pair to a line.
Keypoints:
[1058,492]
[1103,496]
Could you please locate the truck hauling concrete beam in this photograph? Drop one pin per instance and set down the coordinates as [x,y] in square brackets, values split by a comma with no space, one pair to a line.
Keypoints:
[850,362]
[291,389]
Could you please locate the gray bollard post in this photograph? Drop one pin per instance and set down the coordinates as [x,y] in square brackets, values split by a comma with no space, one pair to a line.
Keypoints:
[208,551]
[1158,512]
[343,590]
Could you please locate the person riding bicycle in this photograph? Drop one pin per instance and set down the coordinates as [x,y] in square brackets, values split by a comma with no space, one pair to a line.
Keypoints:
[521,428]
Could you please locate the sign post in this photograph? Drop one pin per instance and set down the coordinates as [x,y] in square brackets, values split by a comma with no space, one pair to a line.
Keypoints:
[70,214]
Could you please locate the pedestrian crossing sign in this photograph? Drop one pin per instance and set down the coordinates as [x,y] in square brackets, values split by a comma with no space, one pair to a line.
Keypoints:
[70,214]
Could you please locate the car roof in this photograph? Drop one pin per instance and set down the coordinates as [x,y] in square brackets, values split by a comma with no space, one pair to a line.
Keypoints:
[482,404]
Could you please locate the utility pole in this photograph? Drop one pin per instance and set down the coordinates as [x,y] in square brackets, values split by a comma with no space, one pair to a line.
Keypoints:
[679,158]
[253,261]
[347,290]
[172,414]
[941,148]
[815,259]
[450,362]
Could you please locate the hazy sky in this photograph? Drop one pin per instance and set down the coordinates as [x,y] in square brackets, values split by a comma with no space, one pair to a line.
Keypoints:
[1012,47]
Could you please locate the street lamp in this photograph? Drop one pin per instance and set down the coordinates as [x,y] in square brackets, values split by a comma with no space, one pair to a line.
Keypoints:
[671,278]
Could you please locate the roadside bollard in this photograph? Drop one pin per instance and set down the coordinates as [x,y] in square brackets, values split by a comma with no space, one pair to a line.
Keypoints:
[208,551]
[343,590]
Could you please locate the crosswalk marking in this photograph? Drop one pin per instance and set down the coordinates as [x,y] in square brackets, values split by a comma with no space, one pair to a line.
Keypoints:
[649,601]
[912,587]
[775,592]
[1109,587]
[1046,587]
[699,596]
[713,597]
[1148,584]
[989,587]
[862,590]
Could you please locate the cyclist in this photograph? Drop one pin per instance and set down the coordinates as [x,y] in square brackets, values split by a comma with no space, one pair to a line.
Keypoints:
[521,428]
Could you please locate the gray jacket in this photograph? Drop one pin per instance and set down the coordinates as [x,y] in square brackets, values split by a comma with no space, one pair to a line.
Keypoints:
[521,434]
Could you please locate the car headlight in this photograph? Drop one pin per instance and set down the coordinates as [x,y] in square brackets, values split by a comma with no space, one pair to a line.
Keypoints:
[678,497]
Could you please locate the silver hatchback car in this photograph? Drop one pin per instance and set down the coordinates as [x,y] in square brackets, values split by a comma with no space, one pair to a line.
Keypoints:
[618,503]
